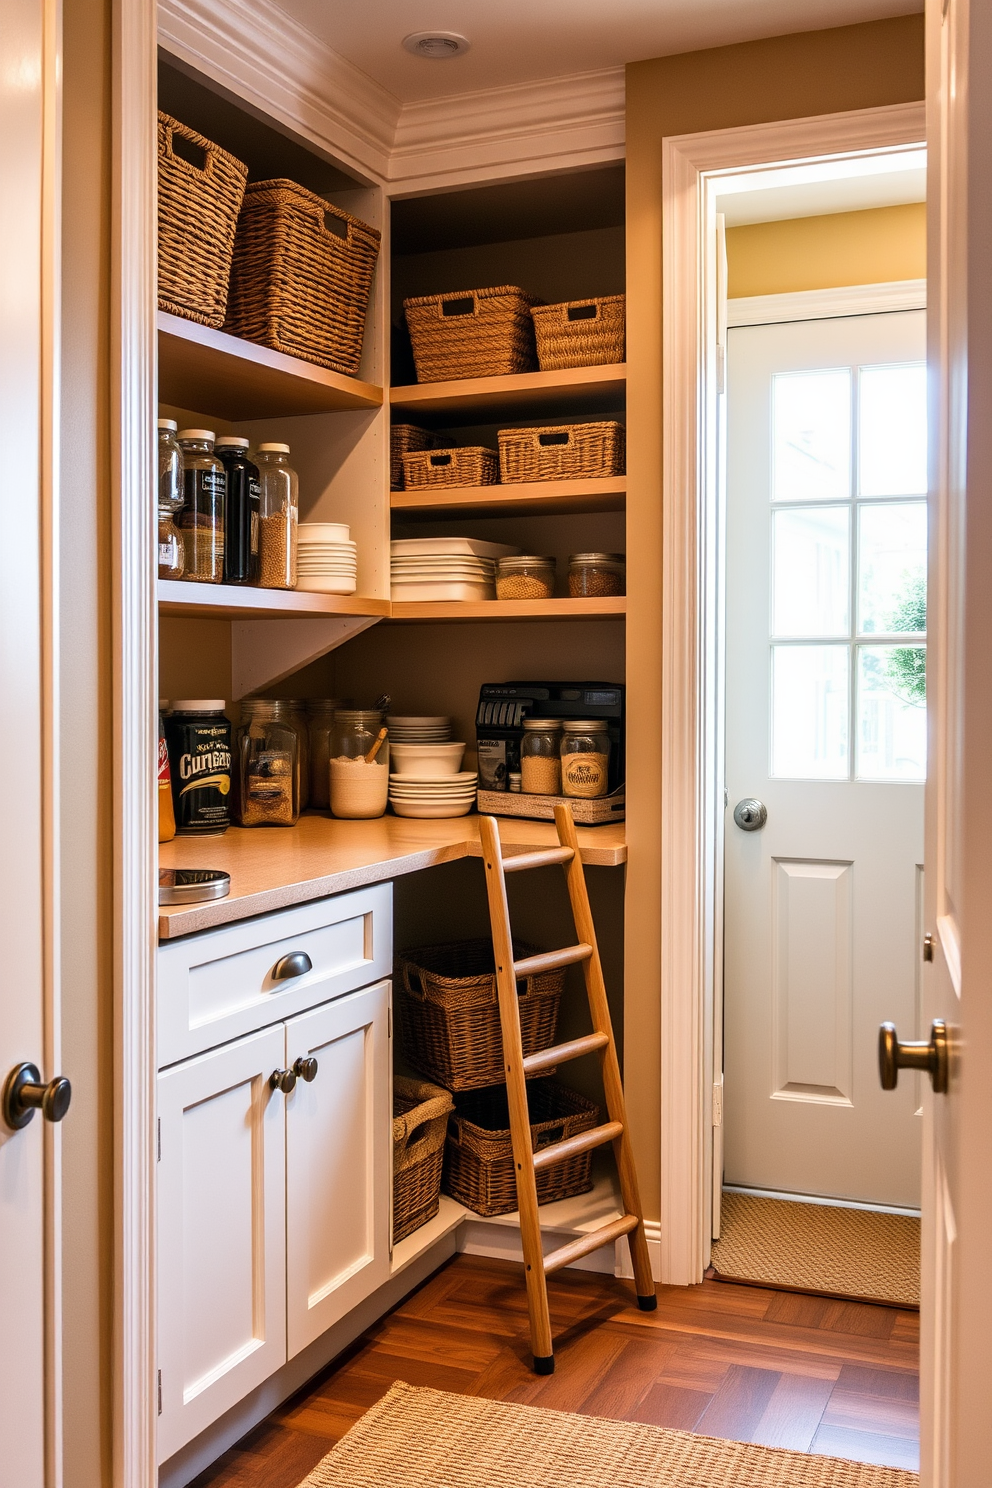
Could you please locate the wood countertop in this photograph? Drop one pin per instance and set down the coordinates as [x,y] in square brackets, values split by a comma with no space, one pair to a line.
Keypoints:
[276,867]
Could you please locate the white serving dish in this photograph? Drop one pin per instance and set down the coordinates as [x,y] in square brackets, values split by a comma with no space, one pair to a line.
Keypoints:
[326,583]
[449,779]
[404,546]
[426,811]
[443,593]
[333,532]
[427,759]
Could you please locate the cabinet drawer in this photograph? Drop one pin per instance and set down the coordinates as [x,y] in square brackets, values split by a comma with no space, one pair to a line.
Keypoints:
[225,983]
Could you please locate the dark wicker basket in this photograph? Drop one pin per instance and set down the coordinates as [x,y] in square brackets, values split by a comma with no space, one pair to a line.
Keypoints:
[448,1012]
[200,189]
[301,276]
[420,1119]
[472,466]
[472,333]
[403,440]
[562,452]
[478,1161]
[581,333]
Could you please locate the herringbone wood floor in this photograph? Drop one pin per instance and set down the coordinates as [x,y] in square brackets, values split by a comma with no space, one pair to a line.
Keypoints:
[732,1361]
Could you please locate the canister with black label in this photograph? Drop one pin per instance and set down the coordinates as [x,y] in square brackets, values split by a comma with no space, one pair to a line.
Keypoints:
[199,740]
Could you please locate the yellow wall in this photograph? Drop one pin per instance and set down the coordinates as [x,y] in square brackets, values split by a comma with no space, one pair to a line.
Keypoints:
[871,247]
[782,77]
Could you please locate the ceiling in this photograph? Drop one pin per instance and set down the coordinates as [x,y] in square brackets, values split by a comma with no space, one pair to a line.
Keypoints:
[518,41]
[889,179]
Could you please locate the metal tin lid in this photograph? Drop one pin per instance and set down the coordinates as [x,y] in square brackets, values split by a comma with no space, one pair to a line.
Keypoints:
[198,705]
[531,561]
[231,441]
[542,723]
[275,449]
[598,558]
[190,885]
[585,726]
[207,434]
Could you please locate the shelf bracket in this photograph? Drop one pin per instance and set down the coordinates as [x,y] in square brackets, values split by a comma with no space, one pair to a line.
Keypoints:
[263,652]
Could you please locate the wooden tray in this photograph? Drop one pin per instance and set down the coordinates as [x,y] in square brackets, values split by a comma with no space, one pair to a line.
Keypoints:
[587,813]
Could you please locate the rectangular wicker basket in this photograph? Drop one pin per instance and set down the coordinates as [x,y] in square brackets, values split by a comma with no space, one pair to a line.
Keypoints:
[472,333]
[474,466]
[420,1120]
[301,276]
[403,440]
[200,190]
[565,452]
[448,1012]
[478,1156]
[581,333]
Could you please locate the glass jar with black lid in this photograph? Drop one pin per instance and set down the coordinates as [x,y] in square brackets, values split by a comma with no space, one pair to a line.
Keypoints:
[241,512]
[202,517]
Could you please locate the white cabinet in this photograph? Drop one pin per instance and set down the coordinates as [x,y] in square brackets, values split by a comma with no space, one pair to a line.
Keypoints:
[273,1209]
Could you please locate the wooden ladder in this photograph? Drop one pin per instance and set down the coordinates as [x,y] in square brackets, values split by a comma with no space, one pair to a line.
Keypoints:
[527,1162]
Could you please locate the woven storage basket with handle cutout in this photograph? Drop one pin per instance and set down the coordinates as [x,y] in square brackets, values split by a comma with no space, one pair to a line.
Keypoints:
[472,333]
[581,333]
[478,1160]
[474,466]
[301,276]
[420,1120]
[448,1012]
[403,440]
[200,189]
[565,452]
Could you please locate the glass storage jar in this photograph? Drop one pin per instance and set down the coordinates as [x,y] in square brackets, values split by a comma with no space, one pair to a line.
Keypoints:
[267,767]
[585,758]
[278,516]
[540,760]
[202,519]
[320,716]
[298,714]
[171,553]
[596,575]
[525,578]
[359,786]
[241,510]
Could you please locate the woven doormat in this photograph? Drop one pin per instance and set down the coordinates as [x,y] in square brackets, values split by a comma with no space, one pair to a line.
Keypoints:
[854,1253]
[427,1439]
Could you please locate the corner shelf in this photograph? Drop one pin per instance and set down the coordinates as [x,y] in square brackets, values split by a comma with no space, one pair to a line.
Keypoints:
[230,378]
[181,597]
[525,395]
[530,498]
[613,608]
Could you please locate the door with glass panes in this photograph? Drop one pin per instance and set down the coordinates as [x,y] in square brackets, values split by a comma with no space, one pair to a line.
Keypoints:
[826,728]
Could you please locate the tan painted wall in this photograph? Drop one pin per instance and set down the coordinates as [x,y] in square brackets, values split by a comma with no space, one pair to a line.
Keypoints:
[870,247]
[782,77]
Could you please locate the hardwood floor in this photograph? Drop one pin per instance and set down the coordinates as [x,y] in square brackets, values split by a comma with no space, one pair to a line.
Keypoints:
[777,1368]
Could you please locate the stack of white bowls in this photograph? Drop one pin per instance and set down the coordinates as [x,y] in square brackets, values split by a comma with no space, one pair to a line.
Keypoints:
[408,729]
[427,780]
[327,558]
[445,568]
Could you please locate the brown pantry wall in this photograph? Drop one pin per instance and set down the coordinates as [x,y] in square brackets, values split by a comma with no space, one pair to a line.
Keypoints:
[782,77]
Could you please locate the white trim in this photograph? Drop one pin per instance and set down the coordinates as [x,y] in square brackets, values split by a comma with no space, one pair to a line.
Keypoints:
[825,304]
[691,166]
[818,1199]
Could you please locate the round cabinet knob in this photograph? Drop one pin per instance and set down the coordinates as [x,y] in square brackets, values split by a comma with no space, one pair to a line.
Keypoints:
[284,1080]
[930,1058]
[306,1069]
[24,1093]
[750,815]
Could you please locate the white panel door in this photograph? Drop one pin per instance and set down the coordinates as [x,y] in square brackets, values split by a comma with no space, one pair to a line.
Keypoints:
[338,1161]
[826,726]
[221,1232]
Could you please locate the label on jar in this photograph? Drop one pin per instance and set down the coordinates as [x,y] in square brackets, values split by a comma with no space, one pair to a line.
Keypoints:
[584,774]
[200,760]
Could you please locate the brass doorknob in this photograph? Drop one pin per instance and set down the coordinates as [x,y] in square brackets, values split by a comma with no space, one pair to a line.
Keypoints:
[930,1057]
[306,1069]
[284,1080]
[24,1093]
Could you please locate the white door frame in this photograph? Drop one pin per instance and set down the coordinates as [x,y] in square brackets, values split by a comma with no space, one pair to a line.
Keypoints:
[692,782]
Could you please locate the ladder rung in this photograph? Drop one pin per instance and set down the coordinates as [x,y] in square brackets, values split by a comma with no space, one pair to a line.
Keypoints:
[576,1249]
[562,1053]
[550,961]
[520,862]
[573,1146]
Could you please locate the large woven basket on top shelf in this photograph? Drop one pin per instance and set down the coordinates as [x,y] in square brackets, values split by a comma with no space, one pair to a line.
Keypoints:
[581,333]
[449,1014]
[478,1156]
[472,333]
[420,1120]
[301,276]
[403,440]
[473,466]
[200,190]
[563,452]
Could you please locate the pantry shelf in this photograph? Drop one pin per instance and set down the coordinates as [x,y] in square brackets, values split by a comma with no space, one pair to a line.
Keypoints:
[612,608]
[525,395]
[531,498]
[230,378]
[180,597]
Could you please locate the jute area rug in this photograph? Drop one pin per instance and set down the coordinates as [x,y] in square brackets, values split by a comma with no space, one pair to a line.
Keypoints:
[428,1439]
[853,1253]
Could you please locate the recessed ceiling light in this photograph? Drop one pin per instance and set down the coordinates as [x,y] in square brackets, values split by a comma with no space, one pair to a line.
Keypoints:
[437,46]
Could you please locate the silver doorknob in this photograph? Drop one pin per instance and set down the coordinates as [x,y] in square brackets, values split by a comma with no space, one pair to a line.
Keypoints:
[930,1057]
[750,815]
[24,1093]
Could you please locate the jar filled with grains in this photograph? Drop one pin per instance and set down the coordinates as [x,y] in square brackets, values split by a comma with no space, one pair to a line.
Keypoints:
[320,716]
[171,553]
[204,501]
[278,516]
[596,575]
[540,761]
[525,578]
[359,764]
[585,758]
[267,754]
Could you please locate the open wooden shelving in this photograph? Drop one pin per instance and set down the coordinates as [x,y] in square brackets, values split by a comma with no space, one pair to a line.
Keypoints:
[511,609]
[525,395]
[527,499]
[181,597]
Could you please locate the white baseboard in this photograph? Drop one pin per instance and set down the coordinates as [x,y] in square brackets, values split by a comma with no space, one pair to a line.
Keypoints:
[502,1243]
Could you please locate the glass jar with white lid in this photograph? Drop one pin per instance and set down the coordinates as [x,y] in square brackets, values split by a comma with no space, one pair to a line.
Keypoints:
[279,502]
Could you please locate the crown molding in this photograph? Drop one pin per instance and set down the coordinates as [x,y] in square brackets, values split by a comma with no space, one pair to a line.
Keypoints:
[824,304]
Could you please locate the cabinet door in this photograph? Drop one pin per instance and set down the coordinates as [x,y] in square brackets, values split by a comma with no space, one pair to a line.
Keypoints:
[338,1162]
[221,1232]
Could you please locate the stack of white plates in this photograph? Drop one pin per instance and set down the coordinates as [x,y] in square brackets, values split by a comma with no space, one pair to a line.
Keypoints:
[433,796]
[445,568]
[327,559]
[410,729]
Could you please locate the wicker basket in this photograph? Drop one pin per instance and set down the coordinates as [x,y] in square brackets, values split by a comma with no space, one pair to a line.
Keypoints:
[473,333]
[581,333]
[449,1014]
[200,189]
[569,452]
[403,440]
[420,1119]
[451,467]
[301,276]
[478,1166]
